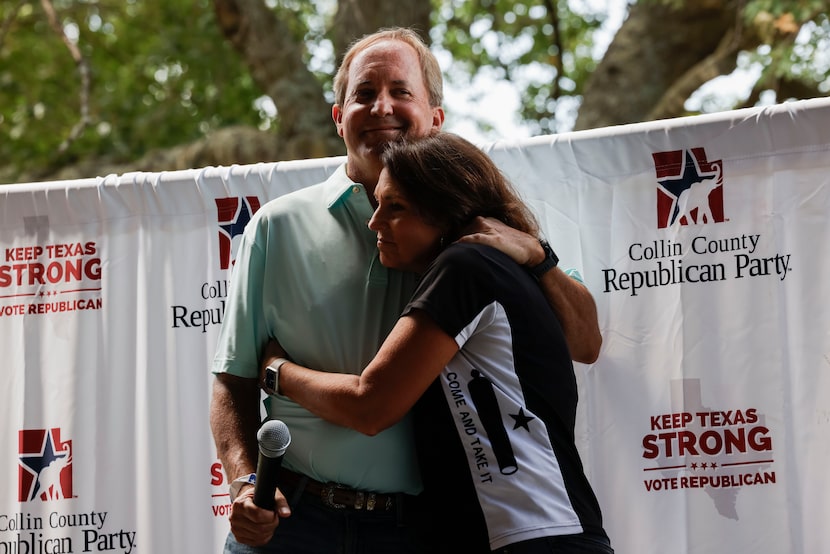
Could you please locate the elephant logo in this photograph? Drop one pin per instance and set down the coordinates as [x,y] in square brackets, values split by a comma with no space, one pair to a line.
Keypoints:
[45,469]
[690,188]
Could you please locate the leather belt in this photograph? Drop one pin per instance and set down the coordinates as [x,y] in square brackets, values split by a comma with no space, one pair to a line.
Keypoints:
[337,496]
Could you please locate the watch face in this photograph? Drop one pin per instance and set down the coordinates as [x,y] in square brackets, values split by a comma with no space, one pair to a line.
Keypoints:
[270,381]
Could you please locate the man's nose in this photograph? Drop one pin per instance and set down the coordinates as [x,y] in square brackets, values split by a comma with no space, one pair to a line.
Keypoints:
[383,104]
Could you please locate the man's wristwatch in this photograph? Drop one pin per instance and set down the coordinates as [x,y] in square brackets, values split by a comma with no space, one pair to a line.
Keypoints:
[271,383]
[550,261]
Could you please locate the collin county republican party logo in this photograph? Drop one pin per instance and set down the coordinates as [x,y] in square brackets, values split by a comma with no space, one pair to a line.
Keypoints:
[45,465]
[232,215]
[689,188]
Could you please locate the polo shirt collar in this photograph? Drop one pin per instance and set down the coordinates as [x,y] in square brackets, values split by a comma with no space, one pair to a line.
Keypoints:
[342,190]
[345,188]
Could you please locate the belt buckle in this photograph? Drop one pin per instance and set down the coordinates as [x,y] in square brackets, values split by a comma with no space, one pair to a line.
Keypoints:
[327,495]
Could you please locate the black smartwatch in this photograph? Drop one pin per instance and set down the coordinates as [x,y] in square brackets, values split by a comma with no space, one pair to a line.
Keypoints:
[271,382]
[550,261]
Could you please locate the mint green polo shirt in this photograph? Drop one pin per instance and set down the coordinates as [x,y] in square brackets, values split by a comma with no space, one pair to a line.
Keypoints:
[307,273]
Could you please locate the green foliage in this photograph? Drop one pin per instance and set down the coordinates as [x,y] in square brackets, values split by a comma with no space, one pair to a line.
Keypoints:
[160,75]
[801,10]
[546,49]
[800,58]
[548,55]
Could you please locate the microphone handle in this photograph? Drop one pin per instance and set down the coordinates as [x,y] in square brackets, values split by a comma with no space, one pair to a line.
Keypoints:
[266,481]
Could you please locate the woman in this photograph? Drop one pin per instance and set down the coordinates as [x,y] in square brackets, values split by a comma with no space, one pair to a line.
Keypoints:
[480,356]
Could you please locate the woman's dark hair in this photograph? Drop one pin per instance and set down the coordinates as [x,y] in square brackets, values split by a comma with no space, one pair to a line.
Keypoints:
[450,181]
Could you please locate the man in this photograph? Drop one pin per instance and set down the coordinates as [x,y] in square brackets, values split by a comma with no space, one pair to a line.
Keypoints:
[307,274]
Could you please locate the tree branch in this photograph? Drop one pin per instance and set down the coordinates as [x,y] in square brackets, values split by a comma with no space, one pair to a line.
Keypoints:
[4,28]
[275,60]
[83,70]
[721,62]
[553,9]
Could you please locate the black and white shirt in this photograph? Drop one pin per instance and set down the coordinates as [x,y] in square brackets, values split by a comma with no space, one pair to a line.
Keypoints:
[495,431]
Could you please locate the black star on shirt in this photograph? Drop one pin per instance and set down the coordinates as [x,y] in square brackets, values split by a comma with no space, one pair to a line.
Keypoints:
[522,420]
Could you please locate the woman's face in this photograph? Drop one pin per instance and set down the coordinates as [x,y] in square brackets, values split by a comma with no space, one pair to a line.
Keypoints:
[405,240]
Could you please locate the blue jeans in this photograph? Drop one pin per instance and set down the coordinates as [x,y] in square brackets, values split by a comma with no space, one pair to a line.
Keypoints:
[314,528]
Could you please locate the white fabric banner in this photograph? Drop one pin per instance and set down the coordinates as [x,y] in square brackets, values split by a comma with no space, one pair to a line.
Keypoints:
[704,425]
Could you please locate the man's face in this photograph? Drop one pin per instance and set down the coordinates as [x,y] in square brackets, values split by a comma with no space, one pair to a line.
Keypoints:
[386,99]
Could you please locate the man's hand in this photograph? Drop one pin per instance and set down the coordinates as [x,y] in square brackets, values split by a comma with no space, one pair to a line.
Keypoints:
[570,299]
[253,525]
[524,249]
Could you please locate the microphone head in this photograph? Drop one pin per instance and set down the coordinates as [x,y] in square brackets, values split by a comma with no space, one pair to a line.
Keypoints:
[273,438]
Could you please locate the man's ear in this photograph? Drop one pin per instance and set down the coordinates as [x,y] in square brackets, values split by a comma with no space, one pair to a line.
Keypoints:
[437,118]
[337,117]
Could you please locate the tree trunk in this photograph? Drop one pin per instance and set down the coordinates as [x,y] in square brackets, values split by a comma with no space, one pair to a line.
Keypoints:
[305,128]
[267,47]
[356,18]
[656,46]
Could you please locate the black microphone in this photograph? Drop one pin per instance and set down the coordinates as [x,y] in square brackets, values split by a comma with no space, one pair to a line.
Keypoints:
[274,439]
